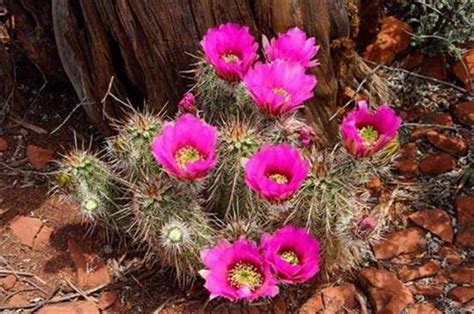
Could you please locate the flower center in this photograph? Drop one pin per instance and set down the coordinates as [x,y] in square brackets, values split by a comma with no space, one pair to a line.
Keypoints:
[369,135]
[231,58]
[245,275]
[187,155]
[290,257]
[175,235]
[282,92]
[278,178]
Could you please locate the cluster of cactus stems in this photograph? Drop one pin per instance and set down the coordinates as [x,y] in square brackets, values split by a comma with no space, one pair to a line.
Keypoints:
[127,190]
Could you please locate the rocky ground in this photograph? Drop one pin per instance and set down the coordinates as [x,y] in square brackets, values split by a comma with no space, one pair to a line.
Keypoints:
[53,262]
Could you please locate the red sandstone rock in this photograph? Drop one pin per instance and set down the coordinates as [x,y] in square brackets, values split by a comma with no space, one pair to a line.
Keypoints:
[437,164]
[77,307]
[465,237]
[435,67]
[8,282]
[444,119]
[374,184]
[42,238]
[406,163]
[107,299]
[3,144]
[91,270]
[464,69]
[464,112]
[463,275]
[449,144]
[331,300]
[462,294]
[428,290]
[400,242]
[393,38]
[411,273]
[450,255]
[423,308]
[465,209]
[26,229]
[313,305]
[387,294]
[39,157]
[436,221]
[412,61]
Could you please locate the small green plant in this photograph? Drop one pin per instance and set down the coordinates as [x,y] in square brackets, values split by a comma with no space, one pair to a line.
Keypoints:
[441,26]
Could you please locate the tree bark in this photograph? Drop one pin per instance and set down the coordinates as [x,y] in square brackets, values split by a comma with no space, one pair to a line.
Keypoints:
[144,45]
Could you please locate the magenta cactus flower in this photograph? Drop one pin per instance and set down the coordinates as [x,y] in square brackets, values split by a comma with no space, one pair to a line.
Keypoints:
[307,135]
[186,148]
[237,271]
[276,172]
[292,46]
[188,103]
[293,254]
[279,87]
[364,132]
[230,49]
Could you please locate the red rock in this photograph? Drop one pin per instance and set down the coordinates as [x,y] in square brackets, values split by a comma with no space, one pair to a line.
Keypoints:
[8,282]
[464,69]
[439,280]
[107,299]
[313,305]
[419,133]
[465,209]
[337,299]
[450,255]
[407,259]
[77,307]
[279,306]
[412,61]
[428,290]
[435,67]
[462,294]
[3,144]
[26,229]
[406,163]
[91,270]
[464,112]
[42,238]
[465,237]
[444,119]
[38,157]
[462,275]
[400,242]
[19,299]
[423,308]
[387,293]
[411,273]
[437,164]
[393,38]
[449,144]
[436,221]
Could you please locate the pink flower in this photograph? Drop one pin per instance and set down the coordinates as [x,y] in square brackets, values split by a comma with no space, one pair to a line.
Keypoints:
[237,271]
[186,148]
[279,87]
[292,46]
[364,132]
[364,226]
[230,49]
[188,103]
[292,253]
[276,172]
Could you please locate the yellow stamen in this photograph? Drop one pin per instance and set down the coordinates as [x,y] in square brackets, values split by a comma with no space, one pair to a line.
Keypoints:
[230,58]
[290,257]
[369,135]
[245,275]
[278,178]
[187,155]
[282,92]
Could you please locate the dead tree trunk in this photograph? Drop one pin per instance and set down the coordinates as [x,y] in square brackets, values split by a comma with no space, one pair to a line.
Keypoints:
[144,45]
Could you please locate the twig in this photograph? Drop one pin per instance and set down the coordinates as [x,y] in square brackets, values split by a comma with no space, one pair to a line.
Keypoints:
[27,125]
[418,76]
[21,273]
[82,102]
[355,92]
[78,290]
